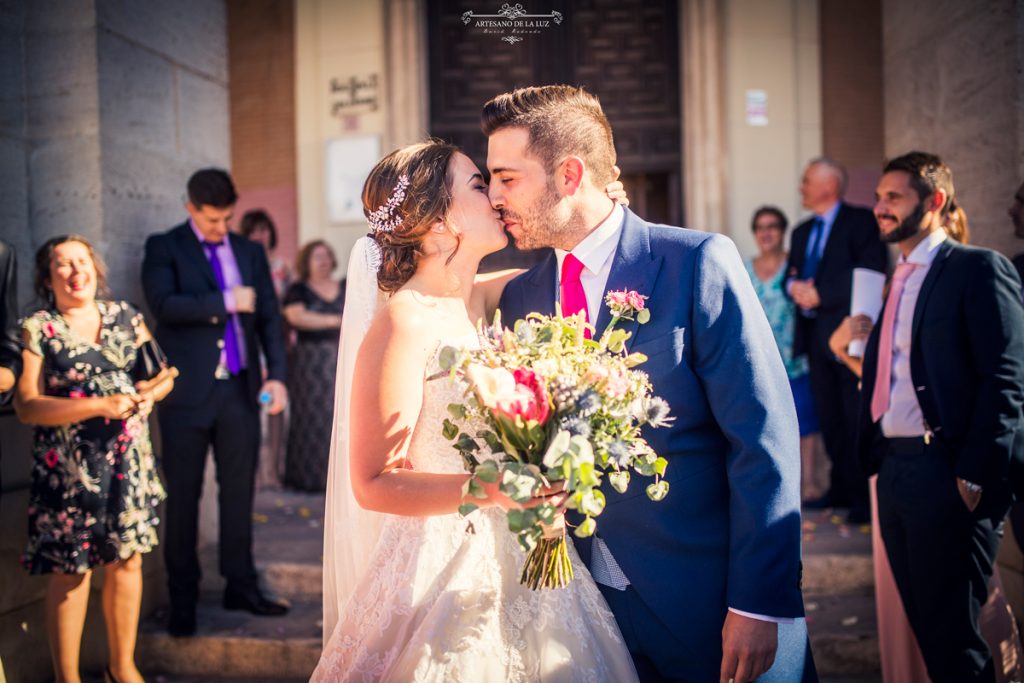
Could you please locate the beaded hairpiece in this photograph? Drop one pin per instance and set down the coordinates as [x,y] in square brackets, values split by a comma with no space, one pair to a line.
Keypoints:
[384,218]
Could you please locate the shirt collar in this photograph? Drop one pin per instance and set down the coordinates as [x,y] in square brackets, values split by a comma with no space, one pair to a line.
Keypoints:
[829,217]
[596,248]
[925,252]
[199,235]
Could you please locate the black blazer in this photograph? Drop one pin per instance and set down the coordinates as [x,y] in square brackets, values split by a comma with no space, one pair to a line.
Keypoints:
[182,293]
[10,333]
[967,364]
[852,243]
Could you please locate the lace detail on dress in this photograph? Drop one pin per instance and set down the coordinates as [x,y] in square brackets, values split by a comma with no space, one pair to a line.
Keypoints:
[444,603]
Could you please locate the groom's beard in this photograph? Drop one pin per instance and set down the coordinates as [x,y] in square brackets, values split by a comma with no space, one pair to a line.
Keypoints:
[906,228]
[541,225]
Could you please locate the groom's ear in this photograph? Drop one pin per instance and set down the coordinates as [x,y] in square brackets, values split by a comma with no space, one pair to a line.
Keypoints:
[569,176]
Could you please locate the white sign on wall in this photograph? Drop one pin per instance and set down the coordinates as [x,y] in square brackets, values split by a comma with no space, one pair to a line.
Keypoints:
[349,161]
[757,108]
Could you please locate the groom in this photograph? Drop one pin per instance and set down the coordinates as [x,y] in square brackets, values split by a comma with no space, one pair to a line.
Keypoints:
[705,584]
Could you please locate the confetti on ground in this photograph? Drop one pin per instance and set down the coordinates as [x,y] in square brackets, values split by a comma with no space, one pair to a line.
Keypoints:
[836,519]
[314,523]
[810,606]
[260,518]
[279,502]
[304,512]
[808,538]
[849,621]
[809,526]
[844,531]
[865,529]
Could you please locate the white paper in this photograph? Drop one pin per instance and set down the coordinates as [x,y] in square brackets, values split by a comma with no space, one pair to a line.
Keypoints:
[349,161]
[866,299]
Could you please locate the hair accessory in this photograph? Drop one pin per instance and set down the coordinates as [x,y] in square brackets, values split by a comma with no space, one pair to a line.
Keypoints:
[383,219]
[373,255]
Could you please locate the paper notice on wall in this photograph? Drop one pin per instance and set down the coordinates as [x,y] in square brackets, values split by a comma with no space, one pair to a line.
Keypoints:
[757,108]
[865,299]
[349,161]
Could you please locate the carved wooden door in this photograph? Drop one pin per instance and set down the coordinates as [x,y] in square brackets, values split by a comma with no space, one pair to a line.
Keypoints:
[624,51]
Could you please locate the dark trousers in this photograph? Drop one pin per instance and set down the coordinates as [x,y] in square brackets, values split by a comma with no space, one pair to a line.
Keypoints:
[229,421]
[837,402]
[941,555]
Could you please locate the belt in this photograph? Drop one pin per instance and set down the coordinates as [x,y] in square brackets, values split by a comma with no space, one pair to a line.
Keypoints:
[908,445]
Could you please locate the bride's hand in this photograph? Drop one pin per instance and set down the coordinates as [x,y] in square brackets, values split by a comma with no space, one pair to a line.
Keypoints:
[554,494]
[615,189]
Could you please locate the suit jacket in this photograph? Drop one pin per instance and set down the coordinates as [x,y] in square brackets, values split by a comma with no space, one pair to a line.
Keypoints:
[967,364]
[728,532]
[1018,263]
[10,333]
[183,295]
[852,243]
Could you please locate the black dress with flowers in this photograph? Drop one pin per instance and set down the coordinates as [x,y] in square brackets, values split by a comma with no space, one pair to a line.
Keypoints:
[95,487]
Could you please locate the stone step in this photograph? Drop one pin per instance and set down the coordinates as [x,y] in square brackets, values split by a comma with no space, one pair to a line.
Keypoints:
[844,634]
[235,643]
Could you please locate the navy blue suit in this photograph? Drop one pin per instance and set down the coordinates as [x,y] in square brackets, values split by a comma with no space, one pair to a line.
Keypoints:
[728,533]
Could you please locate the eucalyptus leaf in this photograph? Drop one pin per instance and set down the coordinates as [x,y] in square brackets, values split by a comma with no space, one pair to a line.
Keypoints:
[657,490]
[592,503]
[659,466]
[448,357]
[467,508]
[457,410]
[559,445]
[643,316]
[487,471]
[475,489]
[449,430]
[619,480]
[586,528]
[466,443]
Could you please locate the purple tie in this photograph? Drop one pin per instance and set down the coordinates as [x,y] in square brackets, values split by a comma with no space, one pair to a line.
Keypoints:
[230,339]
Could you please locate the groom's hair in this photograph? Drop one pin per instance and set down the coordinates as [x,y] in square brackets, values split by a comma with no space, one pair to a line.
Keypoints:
[562,120]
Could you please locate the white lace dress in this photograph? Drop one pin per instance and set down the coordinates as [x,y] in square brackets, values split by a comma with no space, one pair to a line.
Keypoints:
[443,601]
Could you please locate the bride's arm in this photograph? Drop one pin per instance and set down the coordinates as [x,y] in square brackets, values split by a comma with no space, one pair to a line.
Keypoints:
[487,289]
[387,399]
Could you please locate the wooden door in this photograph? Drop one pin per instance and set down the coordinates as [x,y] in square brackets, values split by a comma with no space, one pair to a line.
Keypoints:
[624,51]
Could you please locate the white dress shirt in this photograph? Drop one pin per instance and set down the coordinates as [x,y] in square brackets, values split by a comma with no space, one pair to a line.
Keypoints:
[596,252]
[904,417]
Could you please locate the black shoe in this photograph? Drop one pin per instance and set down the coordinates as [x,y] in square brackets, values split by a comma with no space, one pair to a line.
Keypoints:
[182,622]
[254,601]
[858,514]
[819,503]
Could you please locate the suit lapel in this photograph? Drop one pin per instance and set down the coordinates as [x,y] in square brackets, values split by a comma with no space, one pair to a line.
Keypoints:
[541,290]
[194,252]
[634,267]
[945,249]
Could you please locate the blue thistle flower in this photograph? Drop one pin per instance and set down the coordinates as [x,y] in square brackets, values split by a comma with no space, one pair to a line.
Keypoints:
[576,426]
[619,453]
[657,412]
[588,403]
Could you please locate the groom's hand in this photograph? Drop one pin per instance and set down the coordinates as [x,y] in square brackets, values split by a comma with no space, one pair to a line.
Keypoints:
[748,648]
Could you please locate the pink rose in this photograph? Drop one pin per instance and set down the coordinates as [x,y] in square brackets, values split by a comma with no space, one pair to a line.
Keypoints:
[76,393]
[617,298]
[48,329]
[51,458]
[634,299]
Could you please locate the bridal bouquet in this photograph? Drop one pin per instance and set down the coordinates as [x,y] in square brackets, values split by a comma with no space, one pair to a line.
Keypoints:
[560,410]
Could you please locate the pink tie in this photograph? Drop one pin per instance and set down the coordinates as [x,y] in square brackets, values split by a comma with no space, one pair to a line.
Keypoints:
[883,379]
[574,299]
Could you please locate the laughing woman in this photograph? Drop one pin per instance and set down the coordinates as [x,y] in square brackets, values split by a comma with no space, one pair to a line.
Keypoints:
[95,486]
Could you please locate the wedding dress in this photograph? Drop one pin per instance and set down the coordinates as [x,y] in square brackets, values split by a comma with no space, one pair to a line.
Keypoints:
[439,598]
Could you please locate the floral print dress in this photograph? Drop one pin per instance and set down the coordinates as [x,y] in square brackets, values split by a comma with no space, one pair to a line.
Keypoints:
[95,486]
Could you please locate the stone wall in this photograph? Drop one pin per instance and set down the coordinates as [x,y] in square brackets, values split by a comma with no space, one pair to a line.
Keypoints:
[106,107]
[954,86]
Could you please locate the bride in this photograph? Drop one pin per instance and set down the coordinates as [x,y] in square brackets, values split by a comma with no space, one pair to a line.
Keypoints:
[412,590]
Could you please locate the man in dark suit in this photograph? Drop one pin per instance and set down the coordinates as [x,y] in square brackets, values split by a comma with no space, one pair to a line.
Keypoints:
[824,250]
[214,303]
[941,407]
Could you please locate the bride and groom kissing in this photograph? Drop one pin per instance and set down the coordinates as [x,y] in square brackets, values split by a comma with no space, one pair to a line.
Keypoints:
[701,586]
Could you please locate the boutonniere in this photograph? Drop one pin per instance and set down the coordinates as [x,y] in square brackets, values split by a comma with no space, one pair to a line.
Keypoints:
[628,304]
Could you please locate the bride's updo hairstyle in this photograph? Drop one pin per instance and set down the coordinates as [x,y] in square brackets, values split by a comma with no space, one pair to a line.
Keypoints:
[407,192]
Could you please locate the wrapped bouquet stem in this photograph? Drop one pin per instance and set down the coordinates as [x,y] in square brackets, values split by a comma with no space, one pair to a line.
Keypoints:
[559,409]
